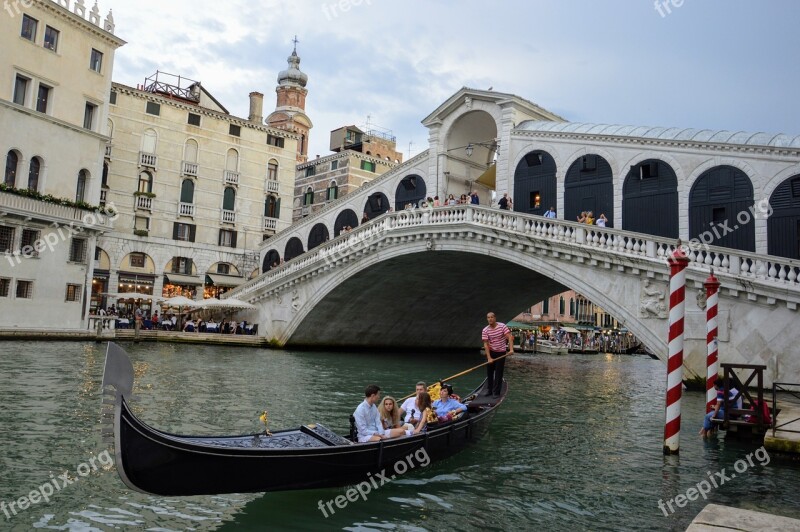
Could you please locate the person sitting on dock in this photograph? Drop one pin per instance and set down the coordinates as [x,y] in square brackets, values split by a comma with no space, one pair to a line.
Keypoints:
[719,408]
[410,410]
[446,404]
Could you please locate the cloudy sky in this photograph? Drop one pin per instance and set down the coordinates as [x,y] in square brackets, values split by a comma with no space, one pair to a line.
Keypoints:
[714,64]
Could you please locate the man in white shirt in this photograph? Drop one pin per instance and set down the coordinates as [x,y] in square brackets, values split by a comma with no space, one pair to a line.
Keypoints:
[551,213]
[409,410]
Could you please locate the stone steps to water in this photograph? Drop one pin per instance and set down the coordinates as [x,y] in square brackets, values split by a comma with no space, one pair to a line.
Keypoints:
[718,518]
[129,335]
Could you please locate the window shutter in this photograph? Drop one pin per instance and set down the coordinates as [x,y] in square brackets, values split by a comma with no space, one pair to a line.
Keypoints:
[192,232]
[233,239]
[175,231]
[188,267]
[278,209]
[219,238]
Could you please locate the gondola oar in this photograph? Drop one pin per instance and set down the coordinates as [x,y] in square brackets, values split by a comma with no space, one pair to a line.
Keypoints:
[457,375]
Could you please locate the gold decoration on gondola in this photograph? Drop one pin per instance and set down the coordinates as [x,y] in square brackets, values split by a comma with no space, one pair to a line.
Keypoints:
[264,418]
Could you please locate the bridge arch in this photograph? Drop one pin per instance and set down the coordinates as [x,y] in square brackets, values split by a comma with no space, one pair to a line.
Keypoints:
[377,204]
[271,258]
[346,218]
[411,189]
[535,183]
[589,186]
[294,248]
[650,199]
[719,209]
[783,226]
[317,236]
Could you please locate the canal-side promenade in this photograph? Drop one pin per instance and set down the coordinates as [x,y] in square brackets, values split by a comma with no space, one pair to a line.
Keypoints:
[178,337]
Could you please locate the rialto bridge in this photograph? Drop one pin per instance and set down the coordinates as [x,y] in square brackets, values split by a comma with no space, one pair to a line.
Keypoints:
[426,277]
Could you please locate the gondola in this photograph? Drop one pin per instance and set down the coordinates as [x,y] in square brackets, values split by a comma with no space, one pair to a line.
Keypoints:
[311,456]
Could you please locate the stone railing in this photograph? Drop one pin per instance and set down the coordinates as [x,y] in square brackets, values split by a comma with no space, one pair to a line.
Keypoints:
[777,272]
[273,187]
[108,151]
[270,224]
[144,203]
[149,160]
[189,169]
[228,217]
[29,207]
[186,209]
[93,16]
[231,178]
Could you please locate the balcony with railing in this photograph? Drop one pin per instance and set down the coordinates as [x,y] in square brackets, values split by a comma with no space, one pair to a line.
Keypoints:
[144,203]
[148,159]
[186,209]
[273,187]
[228,217]
[231,178]
[189,169]
[103,196]
[270,224]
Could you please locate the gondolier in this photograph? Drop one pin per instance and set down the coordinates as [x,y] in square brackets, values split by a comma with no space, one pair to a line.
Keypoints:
[496,336]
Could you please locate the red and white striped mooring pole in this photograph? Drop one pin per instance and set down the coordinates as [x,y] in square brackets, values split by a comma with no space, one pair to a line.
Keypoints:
[677,292]
[712,360]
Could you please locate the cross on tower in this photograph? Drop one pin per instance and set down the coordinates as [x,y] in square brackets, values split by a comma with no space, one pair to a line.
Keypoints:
[295,41]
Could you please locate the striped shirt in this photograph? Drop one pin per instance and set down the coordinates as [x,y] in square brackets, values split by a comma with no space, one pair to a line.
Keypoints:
[496,337]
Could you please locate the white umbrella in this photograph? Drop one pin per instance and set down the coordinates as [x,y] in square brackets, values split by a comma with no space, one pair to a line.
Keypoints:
[180,302]
[236,304]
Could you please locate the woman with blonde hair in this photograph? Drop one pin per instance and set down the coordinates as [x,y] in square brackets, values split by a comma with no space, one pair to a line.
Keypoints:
[390,418]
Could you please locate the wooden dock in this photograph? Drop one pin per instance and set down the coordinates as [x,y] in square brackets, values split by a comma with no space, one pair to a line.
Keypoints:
[786,438]
[129,335]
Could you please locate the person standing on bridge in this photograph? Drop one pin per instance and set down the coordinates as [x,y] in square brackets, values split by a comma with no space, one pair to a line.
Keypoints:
[496,336]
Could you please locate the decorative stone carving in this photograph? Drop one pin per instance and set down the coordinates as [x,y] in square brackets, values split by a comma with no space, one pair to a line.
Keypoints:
[94,15]
[468,102]
[295,301]
[109,22]
[80,8]
[651,301]
[702,298]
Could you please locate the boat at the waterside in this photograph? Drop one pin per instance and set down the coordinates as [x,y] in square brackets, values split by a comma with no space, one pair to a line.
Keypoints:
[546,347]
[311,456]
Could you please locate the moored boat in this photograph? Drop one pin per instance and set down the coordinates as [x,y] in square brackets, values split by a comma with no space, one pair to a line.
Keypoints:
[546,347]
[311,456]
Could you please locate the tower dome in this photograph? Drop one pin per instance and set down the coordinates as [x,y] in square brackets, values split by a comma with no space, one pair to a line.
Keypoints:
[293,75]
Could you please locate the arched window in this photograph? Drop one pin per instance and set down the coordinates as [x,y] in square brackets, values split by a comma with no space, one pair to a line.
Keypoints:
[33,174]
[272,170]
[12,161]
[190,151]
[229,199]
[272,207]
[80,192]
[546,306]
[232,161]
[104,182]
[561,308]
[571,307]
[333,191]
[187,191]
[149,140]
[308,199]
[145,182]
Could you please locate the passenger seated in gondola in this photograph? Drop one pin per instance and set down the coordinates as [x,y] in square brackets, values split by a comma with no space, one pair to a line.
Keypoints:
[390,415]
[447,404]
[410,410]
[426,413]
[368,419]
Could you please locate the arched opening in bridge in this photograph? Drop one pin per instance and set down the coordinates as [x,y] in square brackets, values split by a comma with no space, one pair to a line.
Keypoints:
[589,186]
[294,248]
[719,209]
[346,218]
[470,152]
[650,199]
[535,188]
[318,235]
[376,205]
[783,226]
[271,260]
[411,190]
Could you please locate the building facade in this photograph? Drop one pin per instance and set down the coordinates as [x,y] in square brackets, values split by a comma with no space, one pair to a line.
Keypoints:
[359,157]
[196,188]
[55,80]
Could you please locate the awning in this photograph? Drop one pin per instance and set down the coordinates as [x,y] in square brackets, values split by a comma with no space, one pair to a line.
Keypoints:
[178,279]
[521,325]
[570,330]
[489,177]
[226,281]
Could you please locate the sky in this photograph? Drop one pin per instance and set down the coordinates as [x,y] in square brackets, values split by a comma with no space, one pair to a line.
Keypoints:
[715,64]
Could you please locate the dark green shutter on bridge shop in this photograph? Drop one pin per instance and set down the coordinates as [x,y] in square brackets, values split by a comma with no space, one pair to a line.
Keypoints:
[589,186]
[719,203]
[535,188]
[650,199]
[783,226]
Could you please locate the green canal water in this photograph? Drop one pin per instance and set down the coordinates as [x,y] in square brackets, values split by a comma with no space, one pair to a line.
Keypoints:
[576,446]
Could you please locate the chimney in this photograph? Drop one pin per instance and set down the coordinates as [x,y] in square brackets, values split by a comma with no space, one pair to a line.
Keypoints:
[256,107]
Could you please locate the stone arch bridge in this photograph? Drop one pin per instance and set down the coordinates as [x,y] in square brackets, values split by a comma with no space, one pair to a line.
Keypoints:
[425,278]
